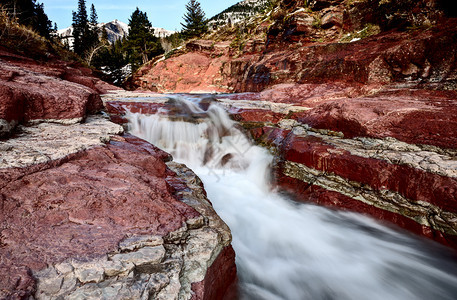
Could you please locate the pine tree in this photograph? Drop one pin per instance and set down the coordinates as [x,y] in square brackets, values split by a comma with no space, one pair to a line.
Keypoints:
[40,22]
[85,33]
[94,31]
[29,13]
[141,43]
[104,38]
[93,15]
[195,21]
[80,28]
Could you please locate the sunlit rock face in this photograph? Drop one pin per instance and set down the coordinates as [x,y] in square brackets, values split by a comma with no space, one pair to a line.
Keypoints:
[356,42]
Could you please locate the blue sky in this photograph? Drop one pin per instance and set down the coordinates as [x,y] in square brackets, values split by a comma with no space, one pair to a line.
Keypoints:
[162,13]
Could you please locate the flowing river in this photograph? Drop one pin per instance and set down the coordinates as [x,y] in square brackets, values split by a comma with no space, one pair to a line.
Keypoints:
[287,250]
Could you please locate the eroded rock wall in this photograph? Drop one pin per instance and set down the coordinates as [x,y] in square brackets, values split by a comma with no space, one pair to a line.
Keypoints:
[402,174]
[354,42]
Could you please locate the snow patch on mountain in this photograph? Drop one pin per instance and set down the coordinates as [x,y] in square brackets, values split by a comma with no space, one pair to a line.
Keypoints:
[237,13]
[115,29]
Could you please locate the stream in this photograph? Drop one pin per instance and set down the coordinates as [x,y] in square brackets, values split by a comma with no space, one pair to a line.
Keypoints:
[289,250]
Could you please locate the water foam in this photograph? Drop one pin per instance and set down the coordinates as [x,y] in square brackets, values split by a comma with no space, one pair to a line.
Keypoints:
[287,250]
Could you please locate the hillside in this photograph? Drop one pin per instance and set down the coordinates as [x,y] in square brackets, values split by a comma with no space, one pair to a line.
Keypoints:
[237,13]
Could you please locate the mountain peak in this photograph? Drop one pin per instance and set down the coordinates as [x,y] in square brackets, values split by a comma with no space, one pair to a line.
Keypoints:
[115,29]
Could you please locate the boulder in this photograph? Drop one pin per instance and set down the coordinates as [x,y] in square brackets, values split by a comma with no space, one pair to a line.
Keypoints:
[75,249]
[331,17]
[31,92]
[317,5]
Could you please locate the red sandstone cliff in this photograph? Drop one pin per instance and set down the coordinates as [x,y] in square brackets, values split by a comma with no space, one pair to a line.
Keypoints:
[353,42]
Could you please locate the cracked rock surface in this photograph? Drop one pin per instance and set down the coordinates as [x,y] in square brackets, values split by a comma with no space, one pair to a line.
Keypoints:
[102,221]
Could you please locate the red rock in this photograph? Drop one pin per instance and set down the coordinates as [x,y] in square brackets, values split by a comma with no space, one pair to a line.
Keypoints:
[256,115]
[331,17]
[312,95]
[412,183]
[374,174]
[191,72]
[31,91]
[11,104]
[321,4]
[220,279]
[19,280]
[307,193]
[120,107]
[61,208]
[292,54]
[412,116]
[270,136]
[71,71]
[47,97]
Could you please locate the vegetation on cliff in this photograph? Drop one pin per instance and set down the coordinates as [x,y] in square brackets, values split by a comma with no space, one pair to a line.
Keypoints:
[21,32]
[28,13]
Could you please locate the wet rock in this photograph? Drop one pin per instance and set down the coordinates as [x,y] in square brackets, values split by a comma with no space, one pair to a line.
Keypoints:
[389,179]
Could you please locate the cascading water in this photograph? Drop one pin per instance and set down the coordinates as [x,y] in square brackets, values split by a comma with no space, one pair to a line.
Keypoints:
[287,250]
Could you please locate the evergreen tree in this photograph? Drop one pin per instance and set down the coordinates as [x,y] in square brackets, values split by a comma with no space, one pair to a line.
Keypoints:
[29,13]
[94,31]
[141,43]
[112,60]
[104,38]
[85,33]
[80,28]
[195,21]
[40,21]
[93,15]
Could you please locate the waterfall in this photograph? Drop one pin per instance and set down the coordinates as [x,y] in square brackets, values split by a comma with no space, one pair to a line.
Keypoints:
[287,250]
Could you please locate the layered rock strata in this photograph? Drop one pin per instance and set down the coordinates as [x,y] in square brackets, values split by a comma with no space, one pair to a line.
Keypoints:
[398,173]
[87,212]
[403,177]
[100,221]
[55,91]
[321,46]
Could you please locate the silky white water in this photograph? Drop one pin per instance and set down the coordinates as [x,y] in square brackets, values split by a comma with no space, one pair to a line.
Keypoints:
[286,250]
